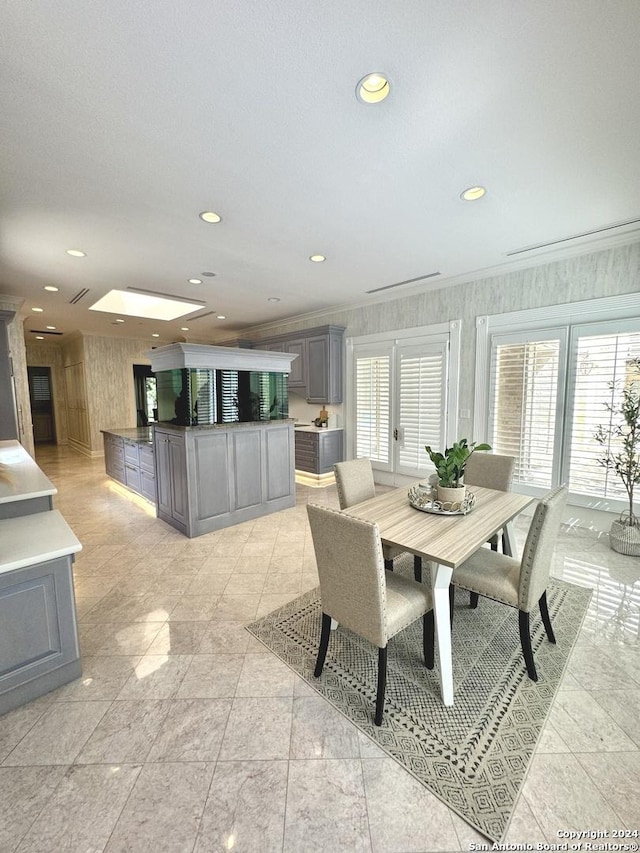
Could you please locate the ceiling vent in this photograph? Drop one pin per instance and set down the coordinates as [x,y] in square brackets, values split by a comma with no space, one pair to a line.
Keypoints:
[602,230]
[44,332]
[79,295]
[166,295]
[200,316]
[408,281]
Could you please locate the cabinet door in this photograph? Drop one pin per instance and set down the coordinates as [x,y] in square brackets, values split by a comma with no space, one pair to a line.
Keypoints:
[298,375]
[163,473]
[178,474]
[330,450]
[318,369]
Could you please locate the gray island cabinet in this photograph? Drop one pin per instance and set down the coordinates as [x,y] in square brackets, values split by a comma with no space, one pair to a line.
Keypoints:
[213,476]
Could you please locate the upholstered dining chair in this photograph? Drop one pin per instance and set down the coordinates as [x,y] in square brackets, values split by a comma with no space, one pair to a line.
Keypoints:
[520,583]
[360,594]
[355,483]
[493,471]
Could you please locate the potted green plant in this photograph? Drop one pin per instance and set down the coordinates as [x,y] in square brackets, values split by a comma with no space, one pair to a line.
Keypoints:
[620,439]
[450,467]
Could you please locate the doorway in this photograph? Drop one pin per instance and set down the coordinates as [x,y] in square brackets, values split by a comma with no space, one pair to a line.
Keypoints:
[144,383]
[41,398]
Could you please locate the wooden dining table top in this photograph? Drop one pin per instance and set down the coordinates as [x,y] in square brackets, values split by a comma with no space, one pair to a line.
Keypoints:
[445,539]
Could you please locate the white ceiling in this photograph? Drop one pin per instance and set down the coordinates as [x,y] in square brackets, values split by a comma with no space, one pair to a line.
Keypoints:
[122,120]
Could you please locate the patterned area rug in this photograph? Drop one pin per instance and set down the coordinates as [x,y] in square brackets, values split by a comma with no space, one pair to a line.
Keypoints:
[474,756]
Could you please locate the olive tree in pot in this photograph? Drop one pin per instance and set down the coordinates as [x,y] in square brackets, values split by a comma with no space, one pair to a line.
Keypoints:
[450,467]
[620,439]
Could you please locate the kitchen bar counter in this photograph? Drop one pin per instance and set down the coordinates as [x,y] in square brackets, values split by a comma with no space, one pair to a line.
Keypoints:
[141,435]
[24,489]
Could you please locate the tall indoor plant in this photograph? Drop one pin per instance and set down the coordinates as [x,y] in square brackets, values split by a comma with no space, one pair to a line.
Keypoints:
[620,439]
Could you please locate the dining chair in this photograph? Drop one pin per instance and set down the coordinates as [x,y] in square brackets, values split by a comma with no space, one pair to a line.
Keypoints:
[520,583]
[492,471]
[355,483]
[360,594]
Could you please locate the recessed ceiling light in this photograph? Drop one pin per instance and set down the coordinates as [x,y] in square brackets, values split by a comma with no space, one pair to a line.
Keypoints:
[76,253]
[119,320]
[38,310]
[155,335]
[210,217]
[208,274]
[472,193]
[373,88]
[152,306]
[273,299]
[317,259]
[51,328]
[184,328]
[51,288]
[222,316]
[195,281]
[39,337]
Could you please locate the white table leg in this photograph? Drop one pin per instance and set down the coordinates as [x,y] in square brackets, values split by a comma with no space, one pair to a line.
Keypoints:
[440,578]
[334,624]
[510,540]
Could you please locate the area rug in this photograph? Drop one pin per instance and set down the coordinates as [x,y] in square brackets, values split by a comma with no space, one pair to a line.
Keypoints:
[474,755]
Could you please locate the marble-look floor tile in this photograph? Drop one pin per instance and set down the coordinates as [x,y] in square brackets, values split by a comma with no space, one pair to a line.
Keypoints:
[320,731]
[195,608]
[126,733]
[102,678]
[404,816]
[617,777]
[269,603]
[208,584]
[59,735]
[156,677]
[245,584]
[550,740]
[523,827]
[168,800]
[257,729]
[277,583]
[237,608]
[326,807]
[192,730]
[211,677]
[264,675]
[83,811]
[623,706]
[562,796]
[15,724]
[245,808]
[228,638]
[124,639]
[596,670]
[584,726]
[178,638]
[25,792]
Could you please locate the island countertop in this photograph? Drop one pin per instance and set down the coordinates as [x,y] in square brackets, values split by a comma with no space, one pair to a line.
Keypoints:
[35,538]
[141,435]
[22,478]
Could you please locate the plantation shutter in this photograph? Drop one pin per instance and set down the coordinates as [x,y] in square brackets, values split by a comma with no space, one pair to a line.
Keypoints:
[229,395]
[373,419]
[203,382]
[603,366]
[421,404]
[527,379]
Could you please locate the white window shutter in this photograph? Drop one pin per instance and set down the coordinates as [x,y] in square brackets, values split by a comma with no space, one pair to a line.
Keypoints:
[422,405]
[373,420]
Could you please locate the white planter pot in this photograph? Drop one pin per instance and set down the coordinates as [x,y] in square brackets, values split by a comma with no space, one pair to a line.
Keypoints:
[451,497]
[625,539]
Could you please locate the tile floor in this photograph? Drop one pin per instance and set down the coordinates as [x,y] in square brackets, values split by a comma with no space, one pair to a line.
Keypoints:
[186,734]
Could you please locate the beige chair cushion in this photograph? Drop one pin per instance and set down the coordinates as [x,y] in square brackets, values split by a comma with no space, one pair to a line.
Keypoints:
[354,587]
[490,573]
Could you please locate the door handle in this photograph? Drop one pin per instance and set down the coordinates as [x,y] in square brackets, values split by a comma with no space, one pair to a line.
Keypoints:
[395,434]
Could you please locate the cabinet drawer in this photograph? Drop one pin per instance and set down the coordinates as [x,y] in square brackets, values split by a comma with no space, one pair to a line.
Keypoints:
[146,458]
[131,452]
[117,472]
[306,439]
[132,478]
[148,485]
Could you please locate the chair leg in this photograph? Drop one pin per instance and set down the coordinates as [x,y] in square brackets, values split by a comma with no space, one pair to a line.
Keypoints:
[525,642]
[388,564]
[382,683]
[544,612]
[473,600]
[494,543]
[428,638]
[452,596]
[324,643]
[417,568]
[505,547]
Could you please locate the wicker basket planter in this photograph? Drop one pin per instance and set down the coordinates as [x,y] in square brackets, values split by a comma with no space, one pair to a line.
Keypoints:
[625,538]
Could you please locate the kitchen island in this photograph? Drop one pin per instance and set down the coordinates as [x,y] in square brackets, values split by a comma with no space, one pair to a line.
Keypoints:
[213,476]
[128,458]
[24,488]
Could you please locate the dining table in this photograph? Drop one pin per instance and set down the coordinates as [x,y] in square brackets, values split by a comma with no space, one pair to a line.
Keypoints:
[446,540]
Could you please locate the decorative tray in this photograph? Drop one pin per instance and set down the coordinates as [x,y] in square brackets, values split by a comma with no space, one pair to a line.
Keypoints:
[424,499]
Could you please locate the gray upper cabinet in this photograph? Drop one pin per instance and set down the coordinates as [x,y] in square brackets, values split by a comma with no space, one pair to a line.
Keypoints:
[317,372]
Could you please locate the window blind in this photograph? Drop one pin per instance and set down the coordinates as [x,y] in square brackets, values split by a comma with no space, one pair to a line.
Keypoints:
[422,404]
[524,407]
[372,407]
[229,395]
[604,366]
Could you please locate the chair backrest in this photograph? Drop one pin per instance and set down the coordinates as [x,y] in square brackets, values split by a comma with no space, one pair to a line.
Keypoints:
[538,549]
[351,571]
[354,480]
[490,470]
